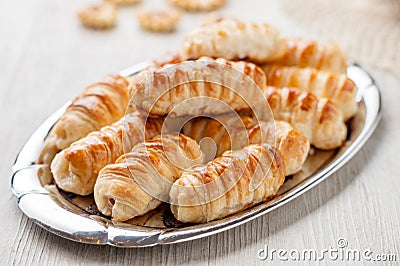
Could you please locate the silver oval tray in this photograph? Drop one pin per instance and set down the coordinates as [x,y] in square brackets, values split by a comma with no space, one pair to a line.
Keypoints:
[75,218]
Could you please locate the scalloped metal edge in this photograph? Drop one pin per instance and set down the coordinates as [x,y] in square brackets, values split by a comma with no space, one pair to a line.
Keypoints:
[35,202]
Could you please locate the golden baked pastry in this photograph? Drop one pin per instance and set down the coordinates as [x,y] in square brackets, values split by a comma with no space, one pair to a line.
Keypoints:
[234,40]
[75,169]
[100,104]
[158,20]
[308,53]
[103,16]
[199,5]
[228,184]
[337,87]
[141,179]
[236,84]
[293,146]
[317,119]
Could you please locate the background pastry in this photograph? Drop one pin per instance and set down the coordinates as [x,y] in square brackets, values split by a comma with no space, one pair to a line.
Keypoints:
[198,5]
[337,87]
[309,53]
[234,40]
[100,17]
[158,20]
[124,2]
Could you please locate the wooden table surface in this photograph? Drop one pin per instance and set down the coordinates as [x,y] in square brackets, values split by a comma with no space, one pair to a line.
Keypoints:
[46,58]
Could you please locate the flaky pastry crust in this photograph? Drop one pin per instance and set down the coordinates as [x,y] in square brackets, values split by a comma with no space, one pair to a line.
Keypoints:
[100,104]
[340,89]
[140,179]
[228,184]
[237,84]
[317,119]
[75,168]
[234,40]
[309,53]
[293,146]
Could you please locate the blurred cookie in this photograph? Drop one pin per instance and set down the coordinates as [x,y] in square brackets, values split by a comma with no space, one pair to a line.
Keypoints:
[101,16]
[158,20]
[124,2]
[199,5]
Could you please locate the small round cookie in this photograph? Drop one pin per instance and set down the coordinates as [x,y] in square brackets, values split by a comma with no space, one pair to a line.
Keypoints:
[101,16]
[199,5]
[158,20]
[124,2]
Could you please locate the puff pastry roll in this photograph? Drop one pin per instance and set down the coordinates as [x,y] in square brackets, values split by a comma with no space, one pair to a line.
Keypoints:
[309,53]
[319,120]
[228,184]
[100,104]
[141,179]
[236,84]
[293,146]
[337,87]
[75,169]
[234,40]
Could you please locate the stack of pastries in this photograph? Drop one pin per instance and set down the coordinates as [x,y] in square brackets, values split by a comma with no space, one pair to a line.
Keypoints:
[109,143]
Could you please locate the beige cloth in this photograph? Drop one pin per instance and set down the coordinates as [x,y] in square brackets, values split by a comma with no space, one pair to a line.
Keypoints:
[368,30]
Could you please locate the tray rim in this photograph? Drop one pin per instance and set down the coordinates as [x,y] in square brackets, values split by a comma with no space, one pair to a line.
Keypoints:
[108,234]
